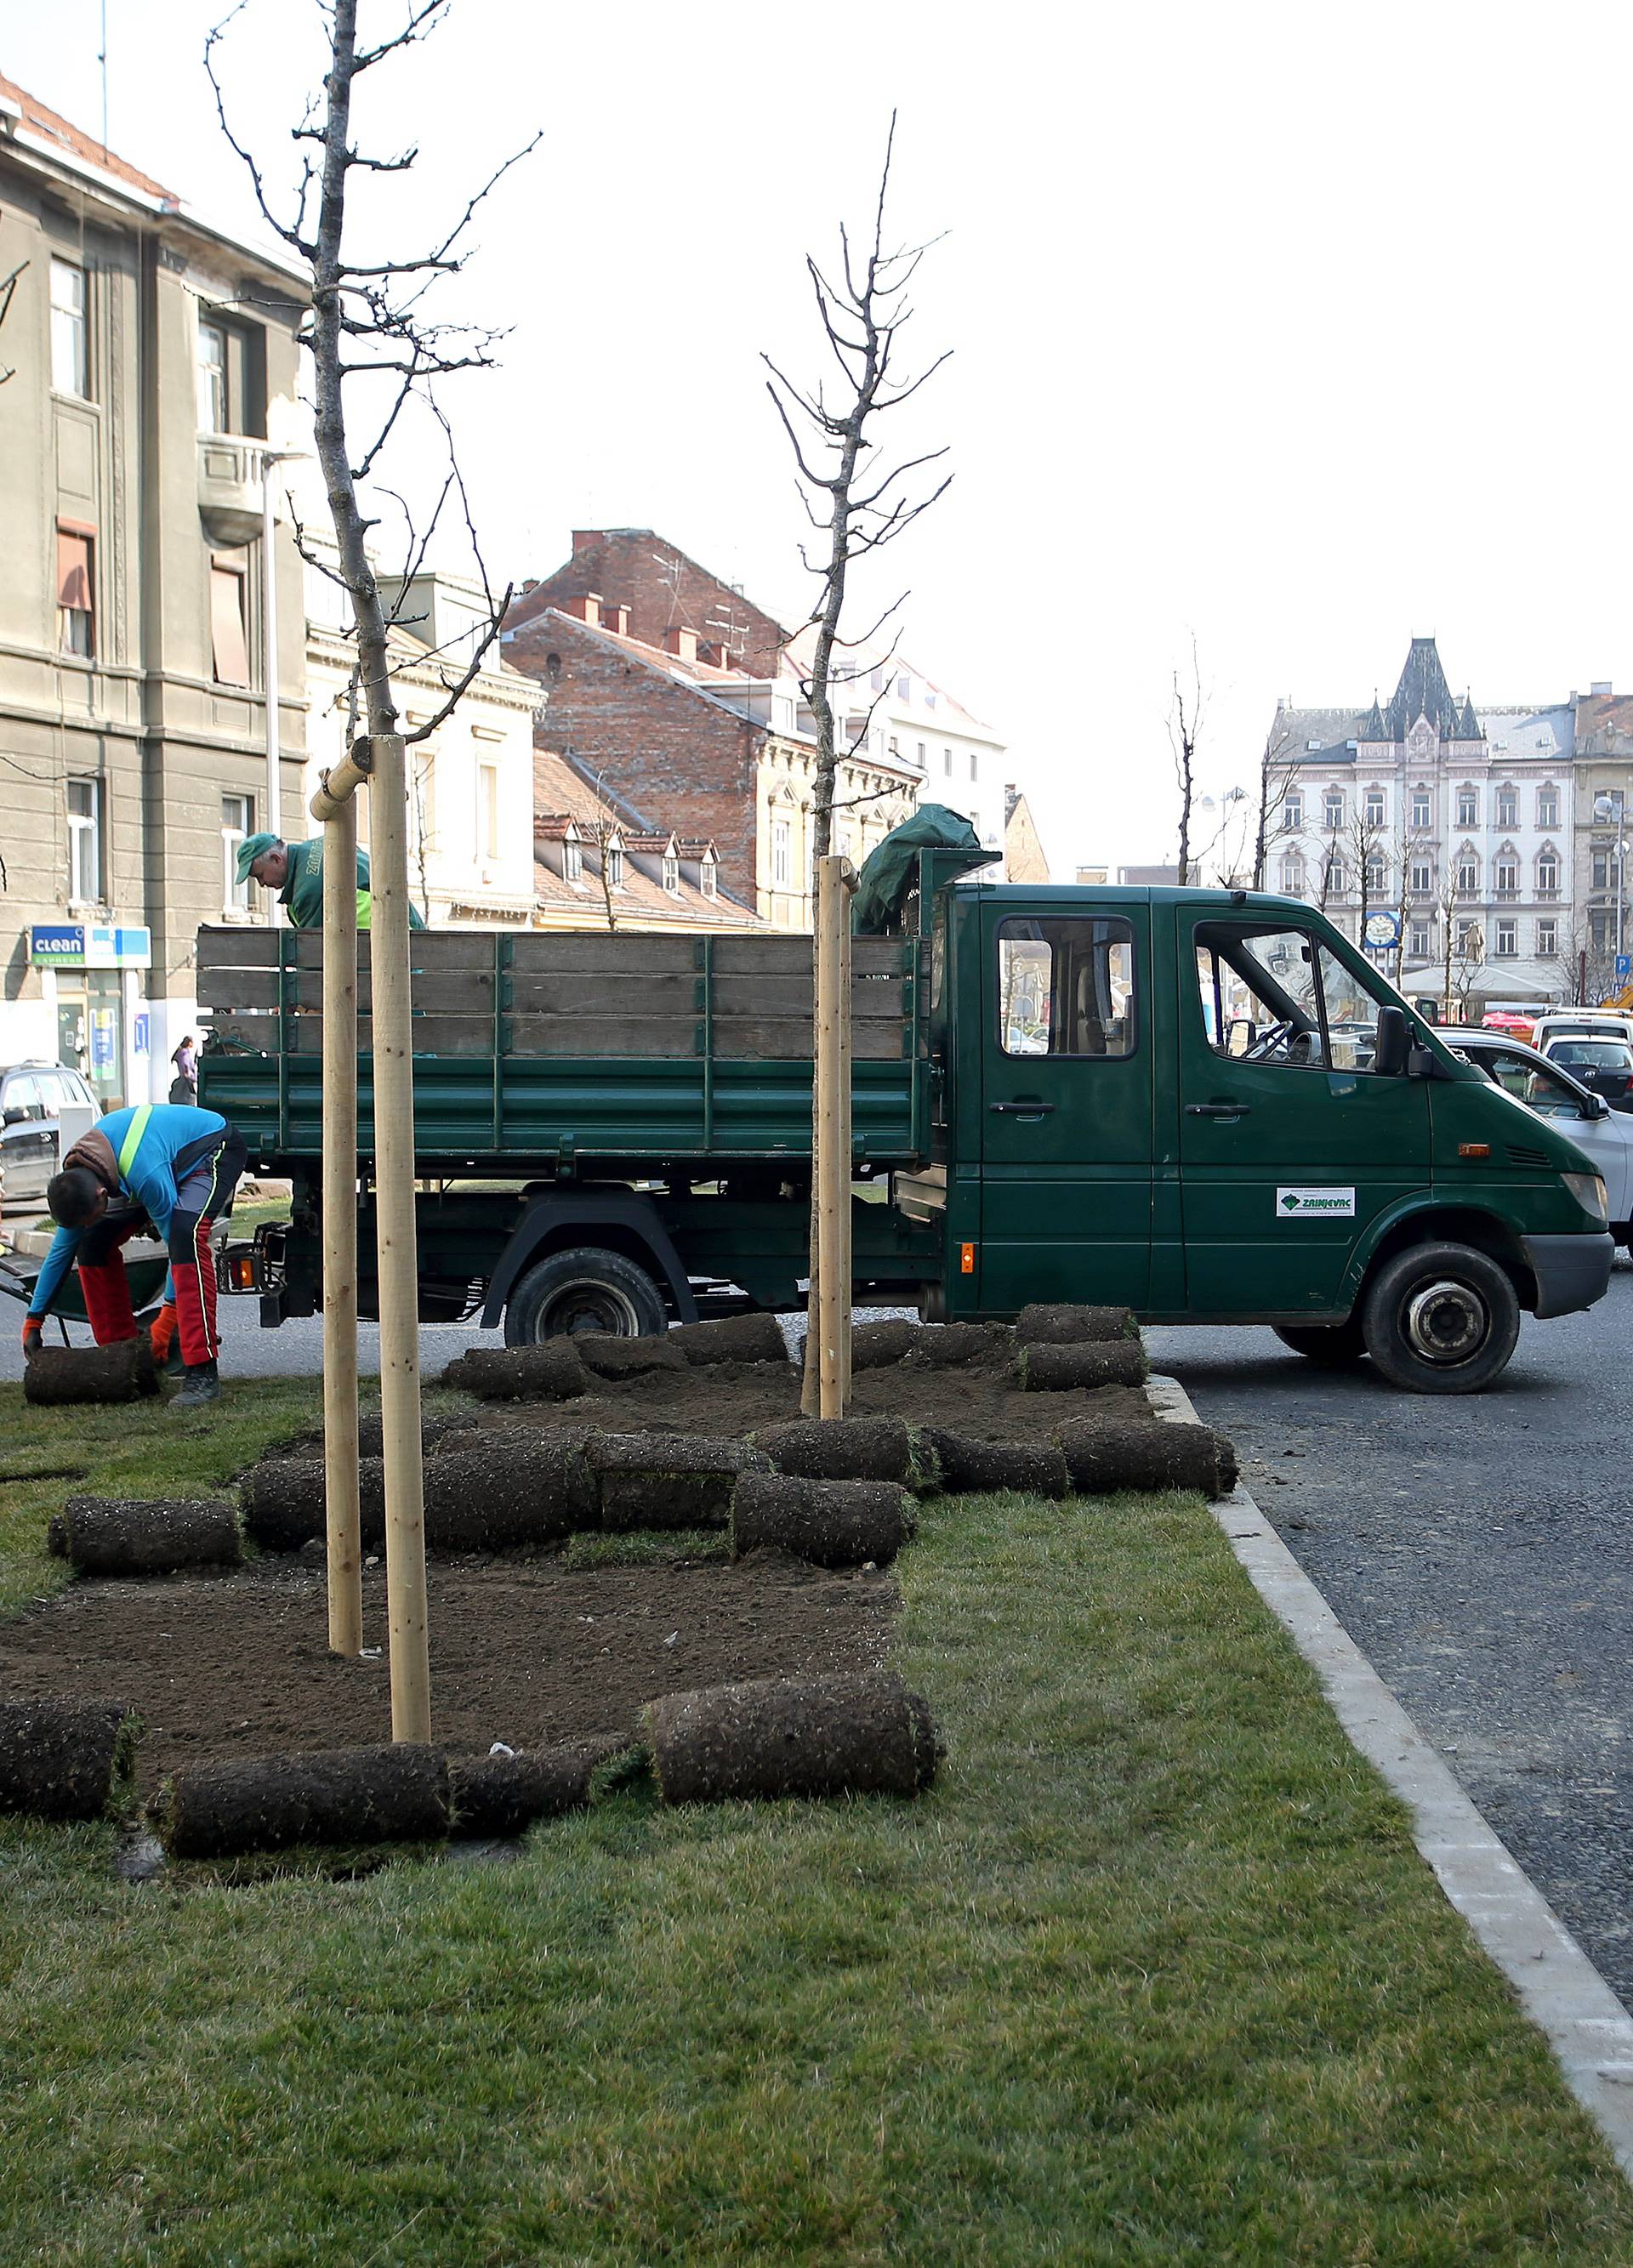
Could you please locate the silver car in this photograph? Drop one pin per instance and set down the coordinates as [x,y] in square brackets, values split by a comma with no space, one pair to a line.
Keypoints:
[1603,1135]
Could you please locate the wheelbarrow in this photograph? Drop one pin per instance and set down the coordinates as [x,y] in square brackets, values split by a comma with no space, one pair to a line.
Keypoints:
[146,1264]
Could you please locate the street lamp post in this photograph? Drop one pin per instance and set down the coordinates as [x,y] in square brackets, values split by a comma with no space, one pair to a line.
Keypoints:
[269,649]
[1613,805]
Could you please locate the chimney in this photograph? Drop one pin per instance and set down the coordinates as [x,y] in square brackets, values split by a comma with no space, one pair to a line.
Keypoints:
[530,583]
[1600,689]
[587,609]
[616,618]
[680,641]
[586,538]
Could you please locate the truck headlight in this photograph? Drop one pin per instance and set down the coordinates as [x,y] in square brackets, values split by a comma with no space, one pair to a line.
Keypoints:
[1589,1192]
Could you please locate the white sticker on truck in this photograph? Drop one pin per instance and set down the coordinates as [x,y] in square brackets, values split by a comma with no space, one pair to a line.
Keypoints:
[1299,1204]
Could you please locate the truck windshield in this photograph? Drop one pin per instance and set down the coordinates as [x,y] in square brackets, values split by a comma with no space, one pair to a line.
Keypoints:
[1280,996]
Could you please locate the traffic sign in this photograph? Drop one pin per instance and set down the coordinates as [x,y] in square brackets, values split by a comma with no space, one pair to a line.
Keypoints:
[1624,965]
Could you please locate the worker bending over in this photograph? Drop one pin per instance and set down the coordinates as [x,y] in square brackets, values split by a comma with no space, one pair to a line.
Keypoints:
[164,1163]
[295,870]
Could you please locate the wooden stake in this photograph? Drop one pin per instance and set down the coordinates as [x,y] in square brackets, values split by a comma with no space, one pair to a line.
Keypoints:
[833,1179]
[398,1257]
[340,1229]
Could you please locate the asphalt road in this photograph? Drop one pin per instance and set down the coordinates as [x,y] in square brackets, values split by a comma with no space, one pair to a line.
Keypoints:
[1477,1550]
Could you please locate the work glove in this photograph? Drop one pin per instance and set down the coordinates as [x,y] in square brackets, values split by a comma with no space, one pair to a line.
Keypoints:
[162,1331]
[31,1334]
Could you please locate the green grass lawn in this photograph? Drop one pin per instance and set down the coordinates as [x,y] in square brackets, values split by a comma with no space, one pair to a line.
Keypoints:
[1153,1976]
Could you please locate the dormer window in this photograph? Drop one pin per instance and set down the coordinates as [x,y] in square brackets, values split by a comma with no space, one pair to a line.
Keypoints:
[615,866]
[705,877]
[573,859]
[672,874]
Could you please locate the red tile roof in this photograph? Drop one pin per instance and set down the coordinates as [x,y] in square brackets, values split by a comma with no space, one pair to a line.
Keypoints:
[46,123]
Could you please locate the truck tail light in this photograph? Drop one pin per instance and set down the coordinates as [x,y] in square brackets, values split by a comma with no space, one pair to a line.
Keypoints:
[242,1272]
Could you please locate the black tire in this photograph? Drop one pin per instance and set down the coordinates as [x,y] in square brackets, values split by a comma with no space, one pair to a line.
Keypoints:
[1440,1319]
[584,1288]
[1330,1346]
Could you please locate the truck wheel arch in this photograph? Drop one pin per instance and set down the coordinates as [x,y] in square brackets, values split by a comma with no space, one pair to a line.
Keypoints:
[1428,1223]
[616,1221]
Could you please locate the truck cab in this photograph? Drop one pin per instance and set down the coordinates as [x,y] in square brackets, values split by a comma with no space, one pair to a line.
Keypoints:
[1209,1105]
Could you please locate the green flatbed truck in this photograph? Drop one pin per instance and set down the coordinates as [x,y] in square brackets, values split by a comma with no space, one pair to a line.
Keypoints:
[1205,1105]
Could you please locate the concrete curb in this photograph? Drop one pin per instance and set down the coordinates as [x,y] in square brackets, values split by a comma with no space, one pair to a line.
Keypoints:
[1558,1987]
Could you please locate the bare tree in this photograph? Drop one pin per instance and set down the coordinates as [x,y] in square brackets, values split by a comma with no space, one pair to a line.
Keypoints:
[370,325]
[1278,776]
[1331,873]
[1368,842]
[1184,726]
[848,497]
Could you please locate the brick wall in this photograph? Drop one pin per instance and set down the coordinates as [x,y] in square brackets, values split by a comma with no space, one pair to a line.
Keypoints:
[683,762]
[631,567]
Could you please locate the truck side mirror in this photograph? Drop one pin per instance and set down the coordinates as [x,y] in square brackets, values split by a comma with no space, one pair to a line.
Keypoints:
[1240,1032]
[1389,1055]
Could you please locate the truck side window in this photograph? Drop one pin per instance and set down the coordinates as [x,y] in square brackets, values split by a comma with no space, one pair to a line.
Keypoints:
[1261,995]
[1066,987]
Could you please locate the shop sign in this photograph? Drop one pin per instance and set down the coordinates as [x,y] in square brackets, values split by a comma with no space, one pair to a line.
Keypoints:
[97,945]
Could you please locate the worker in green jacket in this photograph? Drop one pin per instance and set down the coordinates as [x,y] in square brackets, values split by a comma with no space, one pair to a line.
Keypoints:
[295,870]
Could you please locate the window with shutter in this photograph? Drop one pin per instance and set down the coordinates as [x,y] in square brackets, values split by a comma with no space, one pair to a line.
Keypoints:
[76,614]
[229,645]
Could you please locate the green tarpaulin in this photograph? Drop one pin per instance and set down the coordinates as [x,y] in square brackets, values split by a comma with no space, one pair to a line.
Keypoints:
[891,869]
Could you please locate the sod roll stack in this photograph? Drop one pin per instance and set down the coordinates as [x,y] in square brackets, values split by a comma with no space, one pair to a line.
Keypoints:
[1103,1456]
[117,1536]
[613,1358]
[830,1523]
[123,1372]
[858,1734]
[504,1490]
[875,1346]
[398,1793]
[667,1480]
[552,1373]
[1062,1369]
[502,1796]
[65,1759]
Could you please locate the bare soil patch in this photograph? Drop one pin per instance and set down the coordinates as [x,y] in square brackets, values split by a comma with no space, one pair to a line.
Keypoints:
[522,1651]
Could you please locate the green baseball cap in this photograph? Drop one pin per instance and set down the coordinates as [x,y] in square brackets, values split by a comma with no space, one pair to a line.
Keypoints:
[253,847]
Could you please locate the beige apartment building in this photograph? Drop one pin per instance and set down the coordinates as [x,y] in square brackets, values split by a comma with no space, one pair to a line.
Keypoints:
[152,365]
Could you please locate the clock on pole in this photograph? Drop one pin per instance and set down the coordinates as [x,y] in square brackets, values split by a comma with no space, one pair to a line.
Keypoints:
[1382,932]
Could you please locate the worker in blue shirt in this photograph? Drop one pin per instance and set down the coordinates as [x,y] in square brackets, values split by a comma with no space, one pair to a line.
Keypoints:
[168,1164]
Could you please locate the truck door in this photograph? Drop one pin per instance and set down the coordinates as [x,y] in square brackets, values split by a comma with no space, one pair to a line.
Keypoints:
[1066,1060]
[1290,1145]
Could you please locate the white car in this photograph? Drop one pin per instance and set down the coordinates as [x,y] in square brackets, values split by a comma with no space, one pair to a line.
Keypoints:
[1603,1135]
[1581,1024]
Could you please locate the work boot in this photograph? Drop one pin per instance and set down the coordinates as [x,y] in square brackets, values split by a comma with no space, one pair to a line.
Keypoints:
[200,1385]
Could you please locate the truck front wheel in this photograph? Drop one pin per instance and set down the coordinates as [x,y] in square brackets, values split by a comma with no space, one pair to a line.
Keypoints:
[584,1289]
[1441,1319]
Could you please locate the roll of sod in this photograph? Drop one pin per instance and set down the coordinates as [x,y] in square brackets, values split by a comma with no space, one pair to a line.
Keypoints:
[615,1358]
[433,1433]
[875,1346]
[1057,1369]
[65,1759]
[667,1480]
[1033,1467]
[945,1346]
[397,1793]
[831,1523]
[731,1338]
[520,1487]
[551,1372]
[283,1502]
[118,1536]
[123,1372]
[842,1450]
[504,1795]
[864,1734]
[1057,1326]
[507,1490]
[1103,1456]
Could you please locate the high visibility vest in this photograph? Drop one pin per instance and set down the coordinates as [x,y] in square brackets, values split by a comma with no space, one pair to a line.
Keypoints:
[132,1142]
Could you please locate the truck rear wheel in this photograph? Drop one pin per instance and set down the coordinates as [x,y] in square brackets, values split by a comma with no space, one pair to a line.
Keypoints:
[584,1289]
[1330,1346]
[1441,1319]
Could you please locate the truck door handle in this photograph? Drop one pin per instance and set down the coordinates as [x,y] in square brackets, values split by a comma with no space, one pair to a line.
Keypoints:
[1217,1109]
[1023,1110]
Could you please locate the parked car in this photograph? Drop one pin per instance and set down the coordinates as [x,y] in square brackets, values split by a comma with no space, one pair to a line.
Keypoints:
[1548,1087]
[32,1096]
[1582,1023]
[1604,1064]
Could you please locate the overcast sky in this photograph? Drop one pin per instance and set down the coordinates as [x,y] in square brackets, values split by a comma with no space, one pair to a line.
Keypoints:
[1293,330]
